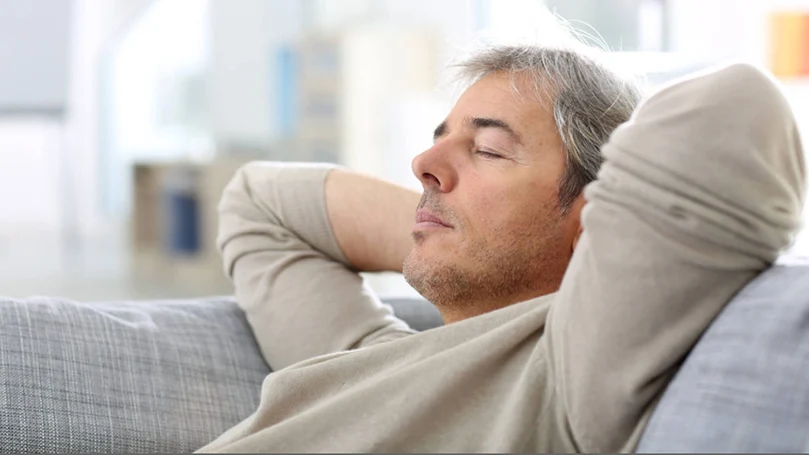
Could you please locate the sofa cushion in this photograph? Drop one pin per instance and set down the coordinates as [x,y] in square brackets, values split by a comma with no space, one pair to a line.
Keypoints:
[123,377]
[745,386]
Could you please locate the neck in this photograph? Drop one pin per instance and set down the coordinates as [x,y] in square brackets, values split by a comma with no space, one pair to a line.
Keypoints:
[460,310]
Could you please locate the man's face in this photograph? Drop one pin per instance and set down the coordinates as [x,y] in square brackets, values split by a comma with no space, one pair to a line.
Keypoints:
[489,231]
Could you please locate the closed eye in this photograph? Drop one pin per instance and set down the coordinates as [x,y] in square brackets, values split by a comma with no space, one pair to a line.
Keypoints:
[488,155]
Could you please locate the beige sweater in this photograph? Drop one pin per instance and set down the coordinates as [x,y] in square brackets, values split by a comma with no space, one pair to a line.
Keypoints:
[700,191]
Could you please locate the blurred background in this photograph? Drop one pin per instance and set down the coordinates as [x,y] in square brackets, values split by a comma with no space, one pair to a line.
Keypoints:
[121,120]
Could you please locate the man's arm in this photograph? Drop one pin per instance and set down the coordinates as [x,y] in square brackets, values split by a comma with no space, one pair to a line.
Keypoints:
[300,292]
[699,193]
[372,220]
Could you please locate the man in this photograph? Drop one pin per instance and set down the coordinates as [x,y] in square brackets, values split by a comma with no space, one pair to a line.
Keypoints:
[700,191]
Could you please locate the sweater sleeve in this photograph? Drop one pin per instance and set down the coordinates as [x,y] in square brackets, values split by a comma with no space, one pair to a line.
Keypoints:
[700,191]
[300,296]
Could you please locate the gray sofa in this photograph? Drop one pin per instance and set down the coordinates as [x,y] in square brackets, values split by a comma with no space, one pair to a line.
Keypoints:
[170,376]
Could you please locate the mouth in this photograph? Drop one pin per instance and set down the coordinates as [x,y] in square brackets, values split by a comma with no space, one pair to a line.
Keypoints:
[427,220]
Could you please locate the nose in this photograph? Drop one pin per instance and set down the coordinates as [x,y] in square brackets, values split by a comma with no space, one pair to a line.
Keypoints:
[434,169]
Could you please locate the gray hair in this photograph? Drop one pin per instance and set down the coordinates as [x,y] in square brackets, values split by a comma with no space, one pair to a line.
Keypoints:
[589,102]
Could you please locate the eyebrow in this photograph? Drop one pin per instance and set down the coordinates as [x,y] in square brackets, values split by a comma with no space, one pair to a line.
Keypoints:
[479,123]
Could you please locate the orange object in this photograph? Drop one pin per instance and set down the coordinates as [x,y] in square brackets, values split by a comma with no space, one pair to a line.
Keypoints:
[789,44]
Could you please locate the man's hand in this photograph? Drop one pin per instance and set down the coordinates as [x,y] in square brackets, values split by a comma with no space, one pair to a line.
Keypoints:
[372,220]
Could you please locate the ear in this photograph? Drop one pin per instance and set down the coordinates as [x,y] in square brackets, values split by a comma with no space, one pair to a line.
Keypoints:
[576,209]
[577,236]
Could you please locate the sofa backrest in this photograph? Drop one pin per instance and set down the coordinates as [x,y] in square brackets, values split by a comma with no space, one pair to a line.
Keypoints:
[745,386]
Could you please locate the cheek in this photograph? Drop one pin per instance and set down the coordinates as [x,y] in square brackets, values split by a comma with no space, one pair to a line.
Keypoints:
[496,211]
[502,213]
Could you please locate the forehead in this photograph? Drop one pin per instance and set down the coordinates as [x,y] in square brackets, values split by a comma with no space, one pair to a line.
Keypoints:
[511,99]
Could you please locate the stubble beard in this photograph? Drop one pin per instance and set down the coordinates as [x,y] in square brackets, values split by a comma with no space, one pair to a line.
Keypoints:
[493,276]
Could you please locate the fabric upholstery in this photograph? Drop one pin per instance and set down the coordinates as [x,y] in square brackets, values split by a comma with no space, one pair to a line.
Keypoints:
[745,386]
[123,377]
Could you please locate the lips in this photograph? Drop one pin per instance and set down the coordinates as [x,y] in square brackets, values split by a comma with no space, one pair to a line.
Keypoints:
[426,219]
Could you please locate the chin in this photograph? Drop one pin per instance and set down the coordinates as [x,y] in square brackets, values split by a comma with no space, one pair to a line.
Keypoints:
[438,280]
[415,268]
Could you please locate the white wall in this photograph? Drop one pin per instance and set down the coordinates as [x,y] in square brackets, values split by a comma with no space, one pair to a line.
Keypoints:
[719,29]
[82,134]
[96,23]
[244,36]
[29,176]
